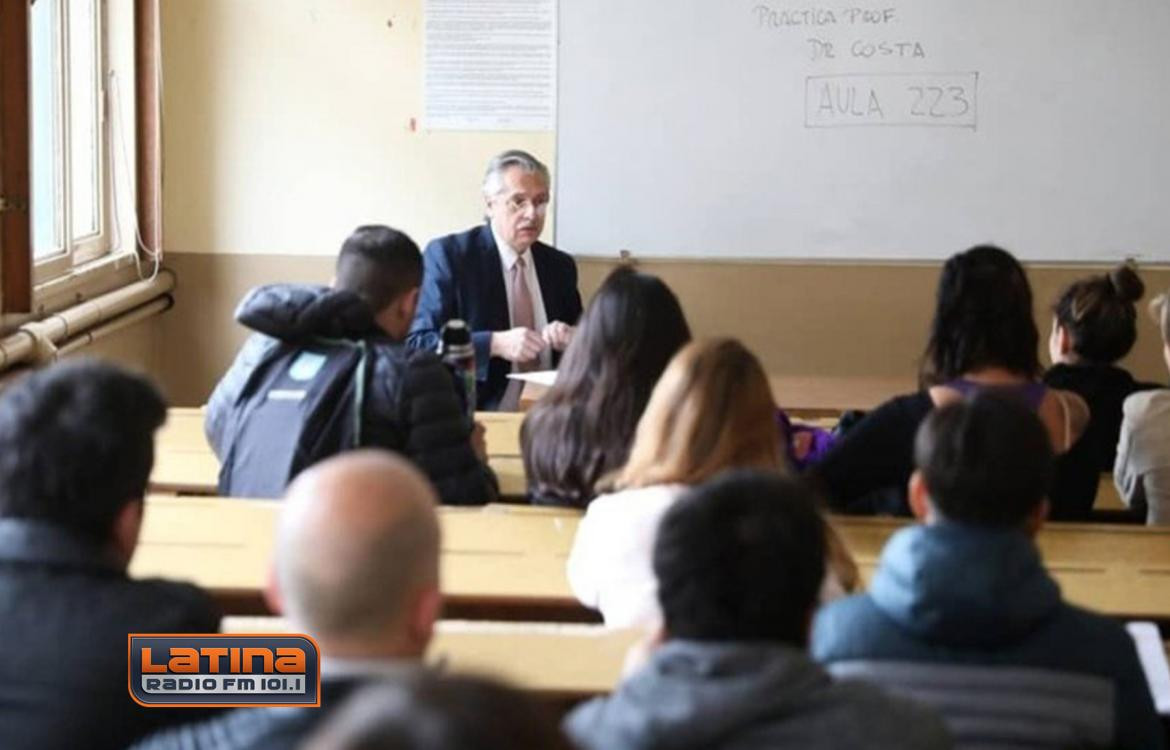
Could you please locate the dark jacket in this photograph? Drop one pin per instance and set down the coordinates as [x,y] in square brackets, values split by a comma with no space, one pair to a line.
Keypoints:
[411,402]
[66,608]
[255,728]
[463,278]
[743,696]
[948,601]
[867,471]
[1104,388]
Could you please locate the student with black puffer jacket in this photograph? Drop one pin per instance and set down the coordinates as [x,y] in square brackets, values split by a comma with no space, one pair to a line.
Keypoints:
[327,370]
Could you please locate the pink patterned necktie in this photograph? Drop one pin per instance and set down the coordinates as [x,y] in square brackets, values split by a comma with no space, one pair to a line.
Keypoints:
[523,314]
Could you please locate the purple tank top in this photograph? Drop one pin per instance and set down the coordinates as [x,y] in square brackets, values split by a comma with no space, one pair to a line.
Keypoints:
[1031,394]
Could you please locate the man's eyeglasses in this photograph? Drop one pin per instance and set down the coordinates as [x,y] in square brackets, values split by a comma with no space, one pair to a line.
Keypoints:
[520,203]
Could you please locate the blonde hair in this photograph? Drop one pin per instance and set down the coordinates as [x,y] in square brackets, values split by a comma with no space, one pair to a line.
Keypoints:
[1160,312]
[711,410]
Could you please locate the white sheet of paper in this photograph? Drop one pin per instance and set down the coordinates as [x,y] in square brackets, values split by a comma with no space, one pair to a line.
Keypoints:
[540,377]
[1148,640]
[490,64]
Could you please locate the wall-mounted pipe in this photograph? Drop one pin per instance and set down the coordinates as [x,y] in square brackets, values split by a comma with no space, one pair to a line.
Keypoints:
[138,314]
[36,343]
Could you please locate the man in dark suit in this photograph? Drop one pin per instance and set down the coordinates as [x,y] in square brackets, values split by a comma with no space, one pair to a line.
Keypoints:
[357,568]
[76,450]
[519,296]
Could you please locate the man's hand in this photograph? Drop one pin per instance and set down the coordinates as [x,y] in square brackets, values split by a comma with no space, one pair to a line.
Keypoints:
[558,335]
[479,441]
[517,345]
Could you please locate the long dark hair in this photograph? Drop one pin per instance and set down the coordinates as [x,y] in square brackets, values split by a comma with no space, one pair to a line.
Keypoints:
[583,427]
[982,318]
[1099,314]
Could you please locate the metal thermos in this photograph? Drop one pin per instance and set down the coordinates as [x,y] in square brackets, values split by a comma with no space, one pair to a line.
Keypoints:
[458,353]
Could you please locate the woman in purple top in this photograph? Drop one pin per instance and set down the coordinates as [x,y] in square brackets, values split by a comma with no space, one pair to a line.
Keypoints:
[983,336]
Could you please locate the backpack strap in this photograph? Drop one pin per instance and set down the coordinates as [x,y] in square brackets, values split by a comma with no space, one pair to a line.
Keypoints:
[359,381]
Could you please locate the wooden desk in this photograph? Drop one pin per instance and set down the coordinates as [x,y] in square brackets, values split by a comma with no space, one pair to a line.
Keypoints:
[1122,571]
[1108,498]
[508,562]
[498,562]
[501,432]
[562,662]
[807,396]
[184,463]
[1063,544]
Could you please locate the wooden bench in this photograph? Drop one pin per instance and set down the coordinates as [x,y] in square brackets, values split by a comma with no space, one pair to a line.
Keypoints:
[498,562]
[508,562]
[1122,571]
[561,663]
[185,464]
[806,396]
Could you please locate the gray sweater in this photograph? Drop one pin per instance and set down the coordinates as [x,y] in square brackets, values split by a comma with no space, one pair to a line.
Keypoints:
[1142,470]
[741,696]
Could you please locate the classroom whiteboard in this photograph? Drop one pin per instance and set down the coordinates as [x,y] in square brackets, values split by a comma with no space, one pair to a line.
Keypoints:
[907,130]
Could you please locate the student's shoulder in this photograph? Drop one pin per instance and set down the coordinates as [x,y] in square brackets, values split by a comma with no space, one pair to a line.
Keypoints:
[172,606]
[632,503]
[907,407]
[850,628]
[1080,640]
[889,721]
[241,727]
[457,244]
[651,495]
[1147,404]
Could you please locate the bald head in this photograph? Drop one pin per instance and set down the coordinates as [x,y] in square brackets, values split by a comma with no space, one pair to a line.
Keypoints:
[357,547]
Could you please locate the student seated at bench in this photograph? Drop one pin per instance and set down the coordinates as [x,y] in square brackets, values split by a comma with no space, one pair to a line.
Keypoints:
[711,411]
[357,568]
[327,371]
[982,337]
[1094,325]
[581,430]
[961,612]
[740,561]
[76,450]
[1142,470]
[435,712]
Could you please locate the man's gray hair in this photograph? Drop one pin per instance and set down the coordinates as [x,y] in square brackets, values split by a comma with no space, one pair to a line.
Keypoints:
[493,178]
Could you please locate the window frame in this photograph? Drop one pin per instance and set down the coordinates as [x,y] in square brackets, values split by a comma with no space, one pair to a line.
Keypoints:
[85,275]
[15,227]
[86,250]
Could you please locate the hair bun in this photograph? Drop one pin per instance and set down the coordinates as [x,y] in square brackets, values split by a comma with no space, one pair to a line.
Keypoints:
[1126,283]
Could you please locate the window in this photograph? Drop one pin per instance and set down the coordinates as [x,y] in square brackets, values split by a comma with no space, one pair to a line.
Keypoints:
[79,81]
[71,181]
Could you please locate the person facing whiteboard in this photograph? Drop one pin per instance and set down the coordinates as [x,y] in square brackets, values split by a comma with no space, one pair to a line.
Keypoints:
[983,337]
[1142,469]
[518,295]
[1094,325]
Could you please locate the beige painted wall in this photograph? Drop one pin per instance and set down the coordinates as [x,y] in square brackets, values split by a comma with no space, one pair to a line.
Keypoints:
[288,122]
[800,318]
[135,347]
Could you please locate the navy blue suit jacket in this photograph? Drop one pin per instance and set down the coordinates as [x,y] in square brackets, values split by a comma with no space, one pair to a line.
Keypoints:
[462,278]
